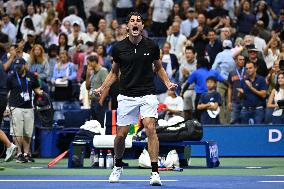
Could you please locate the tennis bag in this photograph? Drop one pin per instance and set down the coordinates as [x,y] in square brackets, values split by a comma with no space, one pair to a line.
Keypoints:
[190,130]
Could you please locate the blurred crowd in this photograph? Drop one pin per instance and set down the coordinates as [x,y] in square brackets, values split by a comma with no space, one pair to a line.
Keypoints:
[226,55]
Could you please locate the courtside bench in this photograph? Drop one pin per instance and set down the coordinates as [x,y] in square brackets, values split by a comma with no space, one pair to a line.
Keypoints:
[211,150]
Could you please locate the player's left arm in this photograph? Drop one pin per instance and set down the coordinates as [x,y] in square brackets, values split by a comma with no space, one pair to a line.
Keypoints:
[163,75]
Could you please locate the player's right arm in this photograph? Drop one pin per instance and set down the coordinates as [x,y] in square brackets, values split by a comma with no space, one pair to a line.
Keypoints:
[110,79]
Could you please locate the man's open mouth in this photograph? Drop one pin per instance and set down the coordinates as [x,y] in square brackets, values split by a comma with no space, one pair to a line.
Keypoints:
[135,29]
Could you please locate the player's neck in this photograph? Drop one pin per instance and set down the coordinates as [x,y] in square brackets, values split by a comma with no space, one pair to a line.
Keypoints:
[135,39]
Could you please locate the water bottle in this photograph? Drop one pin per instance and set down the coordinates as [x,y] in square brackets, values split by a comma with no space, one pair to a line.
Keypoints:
[251,121]
[109,160]
[101,159]
[92,157]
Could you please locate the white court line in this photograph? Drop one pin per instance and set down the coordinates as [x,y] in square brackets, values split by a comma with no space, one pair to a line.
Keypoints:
[274,181]
[81,180]
[274,175]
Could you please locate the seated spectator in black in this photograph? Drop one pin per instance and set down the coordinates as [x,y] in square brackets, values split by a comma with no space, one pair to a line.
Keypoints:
[252,92]
[63,74]
[32,39]
[277,95]
[209,103]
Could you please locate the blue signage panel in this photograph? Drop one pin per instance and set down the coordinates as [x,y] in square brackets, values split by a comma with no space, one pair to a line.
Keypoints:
[245,140]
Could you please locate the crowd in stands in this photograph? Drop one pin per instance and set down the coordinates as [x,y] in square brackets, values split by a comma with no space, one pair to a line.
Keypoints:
[226,55]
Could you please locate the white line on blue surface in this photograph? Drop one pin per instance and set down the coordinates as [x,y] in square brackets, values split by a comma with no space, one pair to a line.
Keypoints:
[81,180]
[272,181]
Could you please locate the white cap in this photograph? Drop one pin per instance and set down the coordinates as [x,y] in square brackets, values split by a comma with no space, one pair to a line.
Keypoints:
[76,22]
[227,43]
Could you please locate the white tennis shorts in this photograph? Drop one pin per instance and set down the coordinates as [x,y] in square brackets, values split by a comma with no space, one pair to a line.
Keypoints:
[129,108]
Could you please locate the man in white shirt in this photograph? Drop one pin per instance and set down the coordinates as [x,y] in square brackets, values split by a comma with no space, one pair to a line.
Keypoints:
[77,34]
[177,40]
[160,11]
[36,18]
[72,10]
[174,105]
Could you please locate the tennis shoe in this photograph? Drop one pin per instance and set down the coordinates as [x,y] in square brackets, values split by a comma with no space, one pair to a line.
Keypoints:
[115,174]
[155,179]
[11,152]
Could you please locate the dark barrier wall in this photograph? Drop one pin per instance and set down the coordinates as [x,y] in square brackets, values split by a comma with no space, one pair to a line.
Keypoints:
[256,140]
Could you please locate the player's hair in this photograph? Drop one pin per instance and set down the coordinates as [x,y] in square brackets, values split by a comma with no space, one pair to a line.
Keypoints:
[134,14]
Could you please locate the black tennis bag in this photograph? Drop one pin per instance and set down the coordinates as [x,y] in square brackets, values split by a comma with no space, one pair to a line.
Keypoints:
[190,130]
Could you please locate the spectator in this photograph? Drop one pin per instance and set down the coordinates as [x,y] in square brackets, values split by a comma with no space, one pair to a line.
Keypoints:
[123,8]
[259,43]
[184,9]
[39,66]
[159,14]
[272,51]
[66,27]
[278,23]
[20,84]
[213,47]
[63,42]
[260,64]
[209,104]
[261,13]
[79,5]
[176,39]
[188,65]
[72,18]
[173,104]
[28,28]
[234,79]
[176,11]
[53,34]
[198,35]
[63,74]
[216,13]
[171,61]
[224,63]
[92,34]
[276,95]
[252,92]
[271,80]
[53,52]
[9,28]
[77,35]
[36,20]
[96,75]
[187,25]
[199,77]
[100,39]
[246,19]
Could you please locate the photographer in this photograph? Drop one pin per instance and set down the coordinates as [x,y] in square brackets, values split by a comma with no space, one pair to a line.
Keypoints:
[20,85]
[276,98]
